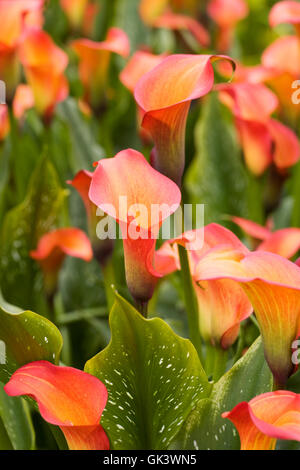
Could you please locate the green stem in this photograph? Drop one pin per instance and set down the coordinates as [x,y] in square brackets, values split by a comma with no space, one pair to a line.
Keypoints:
[255,199]
[190,301]
[109,281]
[215,361]
[142,307]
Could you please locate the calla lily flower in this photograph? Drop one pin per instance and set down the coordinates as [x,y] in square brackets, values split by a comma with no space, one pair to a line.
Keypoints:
[158,15]
[44,64]
[128,175]
[226,14]
[94,59]
[272,285]
[164,96]
[223,305]
[266,418]
[66,397]
[264,140]
[285,12]
[54,246]
[284,242]
[74,10]
[4,121]
[281,61]
[101,248]
[254,230]
[23,100]
[19,15]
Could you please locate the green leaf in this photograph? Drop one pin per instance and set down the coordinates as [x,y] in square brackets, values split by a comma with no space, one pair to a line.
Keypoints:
[5,443]
[205,428]
[21,230]
[86,151]
[17,422]
[25,337]
[216,177]
[154,379]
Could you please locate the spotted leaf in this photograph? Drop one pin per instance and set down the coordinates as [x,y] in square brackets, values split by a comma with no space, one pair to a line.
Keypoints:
[154,379]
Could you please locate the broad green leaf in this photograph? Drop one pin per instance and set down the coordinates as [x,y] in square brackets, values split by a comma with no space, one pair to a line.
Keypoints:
[5,443]
[205,428]
[21,230]
[17,422]
[154,379]
[25,337]
[216,176]
[85,149]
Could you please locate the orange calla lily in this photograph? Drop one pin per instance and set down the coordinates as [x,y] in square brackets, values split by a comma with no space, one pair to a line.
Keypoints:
[44,64]
[266,418]
[281,63]
[284,242]
[102,248]
[223,305]
[66,397]
[264,140]
[128,175]
[4,121]
[226,14]
[19,15]
[89,18]
[74,10]
[54,246]
[254,230]
[164,96]
[272,285]
[156,13]
[94,59]
[23,100]
[285,12]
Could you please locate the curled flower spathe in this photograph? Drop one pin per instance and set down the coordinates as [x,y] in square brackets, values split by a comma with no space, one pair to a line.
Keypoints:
[222,304]
[164,96]
[44,64]
[264,140]
[266,418]
[272,285]
[226,14]
[54,246]
[66,397]
[18,17]
[94,60]
[128,189]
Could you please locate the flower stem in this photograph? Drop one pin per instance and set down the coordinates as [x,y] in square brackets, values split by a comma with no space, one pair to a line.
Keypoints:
[190,301]
[142,307]
[215,361]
